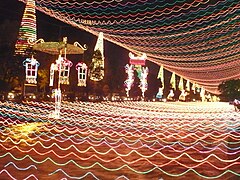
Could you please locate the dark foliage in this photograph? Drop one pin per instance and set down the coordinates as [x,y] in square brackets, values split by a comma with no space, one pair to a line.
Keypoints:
[230,89]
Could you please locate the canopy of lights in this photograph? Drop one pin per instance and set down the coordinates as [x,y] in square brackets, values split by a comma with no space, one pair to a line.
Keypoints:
[196,39]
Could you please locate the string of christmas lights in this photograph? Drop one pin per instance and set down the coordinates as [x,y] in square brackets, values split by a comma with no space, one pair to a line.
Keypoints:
[142,139]
[27,30]
[197,40]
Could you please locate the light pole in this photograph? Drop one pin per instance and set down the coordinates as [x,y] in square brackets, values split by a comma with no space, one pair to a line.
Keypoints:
[57,48]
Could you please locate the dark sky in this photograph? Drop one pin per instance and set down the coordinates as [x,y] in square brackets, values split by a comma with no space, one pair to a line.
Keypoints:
[51,29]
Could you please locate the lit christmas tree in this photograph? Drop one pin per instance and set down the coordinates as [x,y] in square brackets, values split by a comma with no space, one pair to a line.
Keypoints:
[27,29]
[97,65]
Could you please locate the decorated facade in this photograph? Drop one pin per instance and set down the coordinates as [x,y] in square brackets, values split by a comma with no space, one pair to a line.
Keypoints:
[31,70]
[82,74]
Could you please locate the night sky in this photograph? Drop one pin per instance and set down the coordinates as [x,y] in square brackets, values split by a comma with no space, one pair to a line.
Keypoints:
[51,29]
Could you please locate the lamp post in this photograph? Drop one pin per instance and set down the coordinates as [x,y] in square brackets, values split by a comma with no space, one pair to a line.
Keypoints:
[58,48]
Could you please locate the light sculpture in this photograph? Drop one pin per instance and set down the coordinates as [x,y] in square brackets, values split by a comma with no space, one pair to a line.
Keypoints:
[143,80]
[202,94]
[129,69]
[198,40]
[64,71]
[137,60]
[136,63]
[31,70]
[188,85]
[180,85]
[161,75]
[97,65]
[62,65]
[173,80]
[27,29]
[82,73]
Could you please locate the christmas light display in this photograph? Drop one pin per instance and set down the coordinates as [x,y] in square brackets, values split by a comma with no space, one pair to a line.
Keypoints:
[173,81]
[161,75]
[194,87]
[82,74]
[28,29]
[183,95]
[129,69]
[180,85]
[170,95]
[63,67]
[64,71]
[188,85]
[136,63]
[202,94]
[198,40]
[31,70]
[97,65]
[143,80]
[140,140]
[137,60]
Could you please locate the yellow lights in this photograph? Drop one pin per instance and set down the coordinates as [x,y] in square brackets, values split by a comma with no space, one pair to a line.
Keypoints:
[27,30]
[24,130]
[11,95]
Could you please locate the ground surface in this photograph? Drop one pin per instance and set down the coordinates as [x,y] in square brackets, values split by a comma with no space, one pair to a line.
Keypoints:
[120,140]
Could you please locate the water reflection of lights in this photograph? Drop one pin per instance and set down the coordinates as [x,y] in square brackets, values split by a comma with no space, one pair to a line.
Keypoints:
[23,130]
[130,139]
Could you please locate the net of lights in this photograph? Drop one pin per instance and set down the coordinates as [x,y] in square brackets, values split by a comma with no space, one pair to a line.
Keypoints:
[198,40]
[90,136]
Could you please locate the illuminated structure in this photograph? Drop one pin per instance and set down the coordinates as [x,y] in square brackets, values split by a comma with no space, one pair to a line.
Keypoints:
[31,70]
[64,71]
[173,80]
[136,63]
[143,80]
[137,60]
[197,40]
[27,29]
[188,85]
[161,75]
[202,94]
[82,74]
[129,69]
[62,65]
[97,65]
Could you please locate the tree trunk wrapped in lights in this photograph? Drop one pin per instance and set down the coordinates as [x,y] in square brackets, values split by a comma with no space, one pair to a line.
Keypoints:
[136,63]
[130,78]
[143,80]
